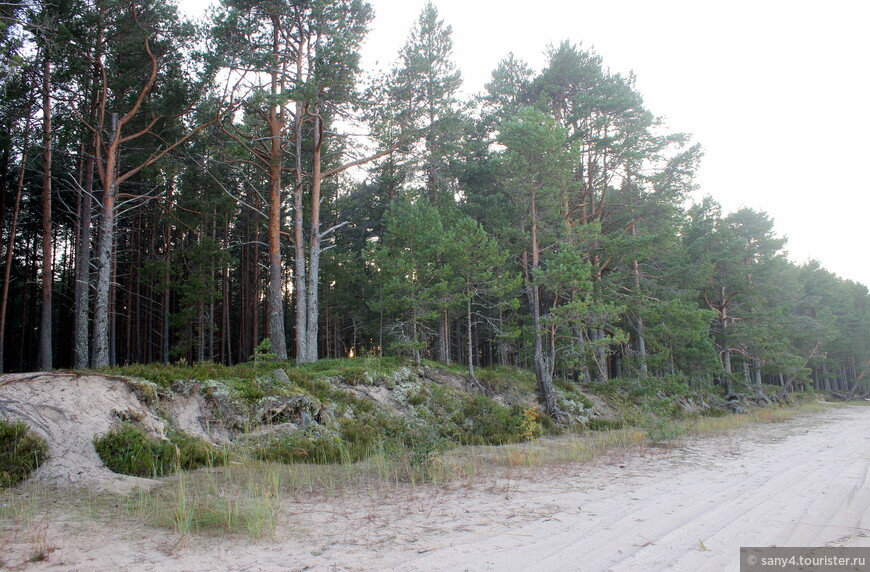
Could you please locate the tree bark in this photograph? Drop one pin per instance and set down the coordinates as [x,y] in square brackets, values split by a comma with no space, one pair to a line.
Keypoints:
[45,322]
[82,268]
[444,337]
[4,177]
[543,372]
[726,349]
[10,243]
[314,246]
[600,354]
[299,246]
[470,347]
[275,297]
[105,242]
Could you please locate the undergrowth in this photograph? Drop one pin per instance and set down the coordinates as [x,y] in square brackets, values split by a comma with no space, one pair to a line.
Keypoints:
[411,440]
[129,450]
[21,452]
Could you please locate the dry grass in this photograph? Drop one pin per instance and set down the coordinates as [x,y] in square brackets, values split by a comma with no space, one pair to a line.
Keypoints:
[25,514]
[722,425]
[589,446]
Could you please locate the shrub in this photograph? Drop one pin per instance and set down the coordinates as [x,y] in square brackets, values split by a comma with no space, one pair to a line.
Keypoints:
[423,449]
[129,451]
[21,452]
[302,448]
[193,452]
[714,412]
[360,434]
[531,425]
[486,422]
[597,424]
[663,430]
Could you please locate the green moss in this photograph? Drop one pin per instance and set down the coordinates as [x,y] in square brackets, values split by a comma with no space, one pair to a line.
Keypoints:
[169,376]
[353,368]
[573,392]
[21,452]
[449,415]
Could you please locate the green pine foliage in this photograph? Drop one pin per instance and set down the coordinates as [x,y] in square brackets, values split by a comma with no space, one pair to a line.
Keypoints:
[551,223]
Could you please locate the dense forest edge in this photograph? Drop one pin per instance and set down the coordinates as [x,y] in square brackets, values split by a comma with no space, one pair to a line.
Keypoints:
[234,191]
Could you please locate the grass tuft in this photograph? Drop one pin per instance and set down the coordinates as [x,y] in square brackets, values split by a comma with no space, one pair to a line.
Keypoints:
[215,501]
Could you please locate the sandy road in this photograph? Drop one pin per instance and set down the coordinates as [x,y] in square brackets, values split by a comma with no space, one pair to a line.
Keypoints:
[799,483]
[783,485]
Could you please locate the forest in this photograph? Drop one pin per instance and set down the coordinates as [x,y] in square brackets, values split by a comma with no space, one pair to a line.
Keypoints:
[177,191]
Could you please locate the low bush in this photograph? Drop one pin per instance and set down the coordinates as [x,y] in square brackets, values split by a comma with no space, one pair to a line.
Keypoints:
[663,430]
[482,421]
[129,451]
[302,448]
[467,419]
[714,412]
[597,424]
[21,452]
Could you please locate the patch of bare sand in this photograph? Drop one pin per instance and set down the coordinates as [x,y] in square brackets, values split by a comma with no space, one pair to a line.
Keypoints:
[68,411]
[802,482]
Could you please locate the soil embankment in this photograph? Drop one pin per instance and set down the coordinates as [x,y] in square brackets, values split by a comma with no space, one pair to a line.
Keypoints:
[800,483]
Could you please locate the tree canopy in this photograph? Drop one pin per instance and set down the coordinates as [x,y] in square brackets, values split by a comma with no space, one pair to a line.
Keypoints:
[180,192]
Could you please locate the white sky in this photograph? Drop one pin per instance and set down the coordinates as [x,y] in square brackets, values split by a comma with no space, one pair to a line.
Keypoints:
[777,92]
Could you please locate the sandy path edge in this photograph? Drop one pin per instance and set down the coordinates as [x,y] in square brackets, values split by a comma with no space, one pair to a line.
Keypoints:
[802,482]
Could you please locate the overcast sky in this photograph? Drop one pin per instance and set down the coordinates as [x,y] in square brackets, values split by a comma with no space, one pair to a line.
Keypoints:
[776,92]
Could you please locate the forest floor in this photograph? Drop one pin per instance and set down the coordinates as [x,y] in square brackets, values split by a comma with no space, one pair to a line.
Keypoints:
[686,506]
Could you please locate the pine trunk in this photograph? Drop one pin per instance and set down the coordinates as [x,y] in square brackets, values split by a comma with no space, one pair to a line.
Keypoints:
[543,372]
[167,275]
[275,296]
[312,316]
[105,242]
[639,327]
[470,346]
[10,243]
[81,295]
[299,249]
[726,349]
[600,354]
[45,325]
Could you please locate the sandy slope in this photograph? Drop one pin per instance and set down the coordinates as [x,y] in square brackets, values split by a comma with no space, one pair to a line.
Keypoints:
[804,482]
[68,411]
